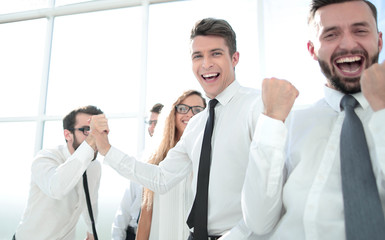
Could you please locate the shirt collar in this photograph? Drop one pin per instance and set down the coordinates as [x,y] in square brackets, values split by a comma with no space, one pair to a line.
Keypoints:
[225,96]
[333,98]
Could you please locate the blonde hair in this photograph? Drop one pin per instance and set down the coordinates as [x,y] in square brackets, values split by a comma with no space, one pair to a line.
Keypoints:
[169,140]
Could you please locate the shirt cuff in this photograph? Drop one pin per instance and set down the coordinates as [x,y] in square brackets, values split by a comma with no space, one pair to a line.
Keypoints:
[270,132]
[85,153]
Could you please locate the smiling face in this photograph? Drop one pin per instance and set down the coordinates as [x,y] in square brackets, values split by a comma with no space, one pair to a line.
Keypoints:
[212,64]
[346,43]
[181,120]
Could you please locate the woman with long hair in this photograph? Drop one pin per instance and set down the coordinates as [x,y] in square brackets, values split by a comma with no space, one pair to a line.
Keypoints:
[163,217]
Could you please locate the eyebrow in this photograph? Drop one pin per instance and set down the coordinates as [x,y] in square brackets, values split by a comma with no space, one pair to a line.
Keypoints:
[358,24]
[361,24]
[212,50]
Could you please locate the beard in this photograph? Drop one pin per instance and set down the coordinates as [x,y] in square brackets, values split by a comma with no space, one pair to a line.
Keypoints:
[76,144]
[343,84]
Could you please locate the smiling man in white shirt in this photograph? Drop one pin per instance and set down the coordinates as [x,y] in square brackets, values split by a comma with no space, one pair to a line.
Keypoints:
[214,58]
[309,203]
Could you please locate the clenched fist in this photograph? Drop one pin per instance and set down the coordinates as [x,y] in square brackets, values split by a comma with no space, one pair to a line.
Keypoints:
[373,86]
[278,97]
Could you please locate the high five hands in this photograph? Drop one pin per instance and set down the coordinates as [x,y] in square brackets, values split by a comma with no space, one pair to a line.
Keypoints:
[99,130]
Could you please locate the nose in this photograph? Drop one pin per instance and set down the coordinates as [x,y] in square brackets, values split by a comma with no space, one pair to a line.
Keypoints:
[348,42]
[207,63]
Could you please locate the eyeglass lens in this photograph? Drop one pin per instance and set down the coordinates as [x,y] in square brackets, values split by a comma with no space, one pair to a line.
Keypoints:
[182,108]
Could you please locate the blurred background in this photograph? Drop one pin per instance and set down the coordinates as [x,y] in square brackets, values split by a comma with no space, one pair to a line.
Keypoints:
[124,56]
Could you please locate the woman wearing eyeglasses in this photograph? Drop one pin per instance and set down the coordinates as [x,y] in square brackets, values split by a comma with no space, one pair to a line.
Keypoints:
[163,217]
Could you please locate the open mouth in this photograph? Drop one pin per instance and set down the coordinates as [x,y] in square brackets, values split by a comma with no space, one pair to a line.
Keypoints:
[210,76]
[350,65]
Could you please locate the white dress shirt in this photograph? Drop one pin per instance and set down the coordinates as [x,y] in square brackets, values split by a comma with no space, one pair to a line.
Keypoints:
[310,200]
[236,115]
[56,197]
[128,211]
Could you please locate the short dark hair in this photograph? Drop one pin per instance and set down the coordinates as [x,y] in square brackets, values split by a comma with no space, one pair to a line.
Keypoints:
[317,4]
[69,120]
[216,27]
[157,108]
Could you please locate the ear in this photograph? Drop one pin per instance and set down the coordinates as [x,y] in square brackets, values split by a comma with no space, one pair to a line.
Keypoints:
[68,135]
[235,59]
[310,49]
[380,42]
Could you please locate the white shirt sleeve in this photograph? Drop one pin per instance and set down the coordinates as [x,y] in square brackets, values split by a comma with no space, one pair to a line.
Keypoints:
[262,190]
[377,127]
[173,169]
[56,178]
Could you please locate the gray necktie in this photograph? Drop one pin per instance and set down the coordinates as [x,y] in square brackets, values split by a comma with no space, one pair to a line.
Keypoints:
[364,217]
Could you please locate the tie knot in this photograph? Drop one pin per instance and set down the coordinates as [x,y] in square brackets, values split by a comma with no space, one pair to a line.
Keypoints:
[348,101]
[213,102]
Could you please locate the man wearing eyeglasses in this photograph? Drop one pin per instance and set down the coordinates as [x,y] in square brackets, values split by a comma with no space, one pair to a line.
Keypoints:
[155,111]
[57,197]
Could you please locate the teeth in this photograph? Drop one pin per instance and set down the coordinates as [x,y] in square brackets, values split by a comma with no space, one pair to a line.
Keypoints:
[210,75]
[348,59]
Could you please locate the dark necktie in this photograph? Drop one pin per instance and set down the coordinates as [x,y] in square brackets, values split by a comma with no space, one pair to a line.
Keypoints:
[198,214]
[89,206]
[364,217]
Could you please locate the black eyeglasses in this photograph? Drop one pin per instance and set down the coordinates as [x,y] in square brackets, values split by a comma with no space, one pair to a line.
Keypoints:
[183,109]
[85,130]
[150,122]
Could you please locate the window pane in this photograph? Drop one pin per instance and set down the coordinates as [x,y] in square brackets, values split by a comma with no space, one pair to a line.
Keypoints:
[286,48]
[96,60]
[53,134]
[21,58]
[380,4]
[17,144]
[123,134]
[169,61]
[10,6]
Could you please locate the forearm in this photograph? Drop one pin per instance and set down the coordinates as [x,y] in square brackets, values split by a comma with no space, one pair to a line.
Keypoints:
[262,189]
[57,176]
[149,175]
